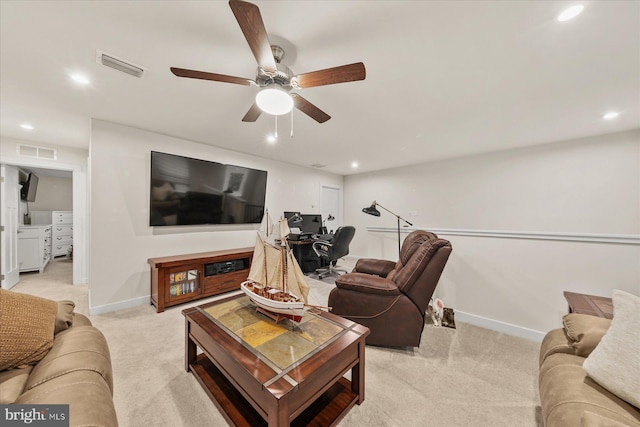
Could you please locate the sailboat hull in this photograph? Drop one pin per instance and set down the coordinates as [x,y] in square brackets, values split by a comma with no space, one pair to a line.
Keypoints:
[293,310]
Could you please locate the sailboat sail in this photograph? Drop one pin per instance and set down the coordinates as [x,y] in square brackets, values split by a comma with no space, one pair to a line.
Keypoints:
[266,267]
[295,279]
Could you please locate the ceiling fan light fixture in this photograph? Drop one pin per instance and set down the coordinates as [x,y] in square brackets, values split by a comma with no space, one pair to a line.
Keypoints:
[571,12]
[274,100]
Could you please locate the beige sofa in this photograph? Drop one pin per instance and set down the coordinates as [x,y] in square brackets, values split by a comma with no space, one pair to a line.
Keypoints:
[65,363]
[569,396]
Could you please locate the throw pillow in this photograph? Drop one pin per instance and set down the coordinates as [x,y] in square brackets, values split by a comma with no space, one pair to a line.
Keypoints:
[64,318]
[615,362]
[585,331]
[27,324]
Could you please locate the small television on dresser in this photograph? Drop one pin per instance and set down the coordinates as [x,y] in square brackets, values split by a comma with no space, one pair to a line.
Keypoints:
[188,191]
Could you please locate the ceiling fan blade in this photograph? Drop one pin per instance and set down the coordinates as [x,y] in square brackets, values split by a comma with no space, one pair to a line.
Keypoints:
[250,21]
[203,75]
[309,109]
[253,113]
[329,76]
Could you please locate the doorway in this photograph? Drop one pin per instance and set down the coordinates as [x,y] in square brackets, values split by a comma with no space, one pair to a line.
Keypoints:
[80,269]
[331,206]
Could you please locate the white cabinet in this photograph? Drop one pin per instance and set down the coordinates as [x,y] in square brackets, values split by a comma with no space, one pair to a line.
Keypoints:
[34,247]
[62,229]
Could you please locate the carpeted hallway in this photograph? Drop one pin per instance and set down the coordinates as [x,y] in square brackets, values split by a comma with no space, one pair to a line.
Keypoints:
[467,376]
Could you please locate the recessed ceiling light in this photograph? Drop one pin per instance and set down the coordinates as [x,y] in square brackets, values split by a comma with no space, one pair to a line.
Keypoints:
[80,78]
[26,126]
[571,13]
[271,139]
[610,115]
[354,164]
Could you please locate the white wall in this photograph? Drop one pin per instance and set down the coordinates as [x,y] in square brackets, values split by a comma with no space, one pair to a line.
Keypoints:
[54,194]
[121,239]
[581,187]
[68,159]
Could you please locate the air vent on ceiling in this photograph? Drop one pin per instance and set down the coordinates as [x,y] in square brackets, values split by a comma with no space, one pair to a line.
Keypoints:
[39,152]
[118,64]
[318,165]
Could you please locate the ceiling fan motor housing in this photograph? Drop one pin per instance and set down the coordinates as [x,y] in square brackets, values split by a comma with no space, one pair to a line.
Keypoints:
[281,77]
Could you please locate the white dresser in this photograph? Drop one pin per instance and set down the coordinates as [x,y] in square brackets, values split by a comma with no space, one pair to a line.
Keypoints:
[62,229]
[34,247]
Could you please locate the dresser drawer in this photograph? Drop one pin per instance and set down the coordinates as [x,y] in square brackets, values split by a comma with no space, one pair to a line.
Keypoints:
[62,240]
[62,218]
[60,249]
[63,230]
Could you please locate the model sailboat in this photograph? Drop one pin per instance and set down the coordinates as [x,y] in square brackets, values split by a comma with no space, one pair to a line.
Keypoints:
[276,283]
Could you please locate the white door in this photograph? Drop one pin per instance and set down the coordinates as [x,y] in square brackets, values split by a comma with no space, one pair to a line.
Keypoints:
[330,200]
[9,213]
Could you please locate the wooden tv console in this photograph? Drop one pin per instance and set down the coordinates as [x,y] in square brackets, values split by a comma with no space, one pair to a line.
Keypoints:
[182,278]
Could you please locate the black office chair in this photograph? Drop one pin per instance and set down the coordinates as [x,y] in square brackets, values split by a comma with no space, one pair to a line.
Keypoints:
[334,249]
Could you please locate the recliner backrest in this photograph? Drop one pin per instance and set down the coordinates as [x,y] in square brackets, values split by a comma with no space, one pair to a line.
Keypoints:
[422,260]
[340,242]
[412,242]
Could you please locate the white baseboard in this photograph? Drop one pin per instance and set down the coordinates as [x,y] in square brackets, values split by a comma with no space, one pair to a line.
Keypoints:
[496,325]
[121,305]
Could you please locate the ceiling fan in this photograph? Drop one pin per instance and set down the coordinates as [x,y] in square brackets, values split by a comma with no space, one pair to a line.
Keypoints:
[275,79]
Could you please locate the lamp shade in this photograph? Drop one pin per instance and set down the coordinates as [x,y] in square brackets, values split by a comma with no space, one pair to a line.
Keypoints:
[274,100]
[371,210]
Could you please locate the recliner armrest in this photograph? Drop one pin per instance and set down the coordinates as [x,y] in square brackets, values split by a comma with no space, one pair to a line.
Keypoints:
[379,267]
[366,283]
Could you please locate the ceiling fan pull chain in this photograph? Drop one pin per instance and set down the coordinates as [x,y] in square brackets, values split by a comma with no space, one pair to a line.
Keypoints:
[276,132]
[291,123]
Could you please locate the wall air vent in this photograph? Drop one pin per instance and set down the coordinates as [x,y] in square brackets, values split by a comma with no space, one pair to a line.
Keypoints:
[118,64]
[318,166]
[39,152]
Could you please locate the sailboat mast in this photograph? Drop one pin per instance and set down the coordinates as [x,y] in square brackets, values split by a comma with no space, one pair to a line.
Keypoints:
[284,268]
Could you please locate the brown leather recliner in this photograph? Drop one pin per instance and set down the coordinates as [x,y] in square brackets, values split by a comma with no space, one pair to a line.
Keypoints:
[391,298]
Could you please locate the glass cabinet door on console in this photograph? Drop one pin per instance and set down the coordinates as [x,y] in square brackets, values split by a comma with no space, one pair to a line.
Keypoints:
[183,283]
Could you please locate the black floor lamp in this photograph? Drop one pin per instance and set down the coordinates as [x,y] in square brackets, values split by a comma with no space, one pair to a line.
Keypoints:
[371,210]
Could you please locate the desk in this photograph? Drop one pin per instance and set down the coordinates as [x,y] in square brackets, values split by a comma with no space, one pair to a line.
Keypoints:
[306,257]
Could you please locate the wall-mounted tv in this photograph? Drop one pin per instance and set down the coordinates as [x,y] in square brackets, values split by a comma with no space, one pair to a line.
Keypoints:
[29,188]
[187,191]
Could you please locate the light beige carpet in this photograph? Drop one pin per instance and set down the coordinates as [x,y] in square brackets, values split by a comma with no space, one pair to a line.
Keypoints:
[467,376]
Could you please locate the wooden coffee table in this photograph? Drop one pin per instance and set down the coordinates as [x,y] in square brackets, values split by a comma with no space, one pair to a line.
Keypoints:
[258,372]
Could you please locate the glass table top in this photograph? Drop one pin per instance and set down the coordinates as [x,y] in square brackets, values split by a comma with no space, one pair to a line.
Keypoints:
[281,345]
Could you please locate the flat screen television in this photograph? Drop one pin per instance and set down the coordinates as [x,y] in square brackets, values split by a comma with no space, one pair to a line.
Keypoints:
[29,188]
[187,191]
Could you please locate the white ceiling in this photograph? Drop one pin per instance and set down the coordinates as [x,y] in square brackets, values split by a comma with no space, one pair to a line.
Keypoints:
[444,78]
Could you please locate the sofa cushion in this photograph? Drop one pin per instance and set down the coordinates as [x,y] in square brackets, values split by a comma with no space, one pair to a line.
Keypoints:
[64,317]
[566,392]
[12,383]
[585,331]
[27,324]
[86,393]
[80,348]
[615,362]
[591,419]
